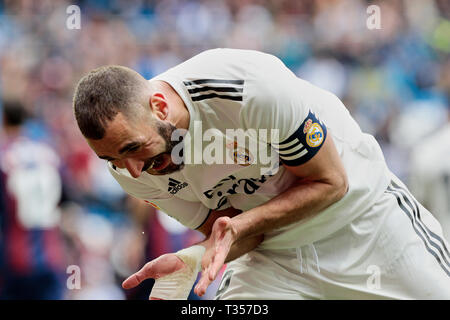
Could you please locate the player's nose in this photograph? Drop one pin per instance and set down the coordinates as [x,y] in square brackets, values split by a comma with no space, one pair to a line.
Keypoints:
[134,167]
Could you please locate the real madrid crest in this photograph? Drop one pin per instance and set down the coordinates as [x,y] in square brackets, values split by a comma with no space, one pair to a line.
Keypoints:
[314,134]
[240,155]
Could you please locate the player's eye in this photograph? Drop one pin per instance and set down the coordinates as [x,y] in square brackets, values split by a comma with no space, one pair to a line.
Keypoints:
[133,149]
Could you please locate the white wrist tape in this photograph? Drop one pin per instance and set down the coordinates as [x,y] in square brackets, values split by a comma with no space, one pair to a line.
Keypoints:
[177,285]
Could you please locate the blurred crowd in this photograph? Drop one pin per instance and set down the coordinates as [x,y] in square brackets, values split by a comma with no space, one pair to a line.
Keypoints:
[394,80]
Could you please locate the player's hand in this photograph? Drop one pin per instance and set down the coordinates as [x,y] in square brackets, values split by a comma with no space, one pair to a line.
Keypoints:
[217,248]
[157,268]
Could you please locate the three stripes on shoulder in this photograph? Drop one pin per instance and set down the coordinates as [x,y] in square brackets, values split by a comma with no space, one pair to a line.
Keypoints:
[202,89]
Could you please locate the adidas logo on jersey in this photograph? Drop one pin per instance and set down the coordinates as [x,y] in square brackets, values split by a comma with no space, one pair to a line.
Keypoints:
[175,186]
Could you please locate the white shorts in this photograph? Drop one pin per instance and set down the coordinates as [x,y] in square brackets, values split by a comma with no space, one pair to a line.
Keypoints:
[395,250]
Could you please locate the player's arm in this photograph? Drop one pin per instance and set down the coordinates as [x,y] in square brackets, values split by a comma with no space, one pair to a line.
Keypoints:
[304,145]
[305,149]
[321,182]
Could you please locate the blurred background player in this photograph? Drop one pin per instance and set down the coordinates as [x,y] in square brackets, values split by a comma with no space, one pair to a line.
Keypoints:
[31,255]
[430,174]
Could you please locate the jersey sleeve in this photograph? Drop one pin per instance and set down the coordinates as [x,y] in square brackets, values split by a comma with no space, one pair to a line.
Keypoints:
[188,213]
[278,101]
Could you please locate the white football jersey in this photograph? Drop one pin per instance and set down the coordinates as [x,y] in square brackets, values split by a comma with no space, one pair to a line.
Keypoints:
[286,117]
[33,180]
[430,175]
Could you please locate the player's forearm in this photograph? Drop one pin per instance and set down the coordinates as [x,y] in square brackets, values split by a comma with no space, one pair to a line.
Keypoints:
[243,246]
[298,203]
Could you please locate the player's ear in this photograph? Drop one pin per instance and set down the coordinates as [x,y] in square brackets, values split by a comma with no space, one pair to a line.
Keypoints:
[158,104]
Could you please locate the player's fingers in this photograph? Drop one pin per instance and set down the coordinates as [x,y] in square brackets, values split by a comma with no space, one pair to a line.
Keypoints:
[136,278]
[207,258]
[210,273]
[222,248]
[203,283]
[157,268]
[216,265]
[206,265]
[214,259]
[214,262]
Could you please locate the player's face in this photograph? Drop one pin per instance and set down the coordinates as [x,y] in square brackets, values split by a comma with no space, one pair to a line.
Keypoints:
[138,146]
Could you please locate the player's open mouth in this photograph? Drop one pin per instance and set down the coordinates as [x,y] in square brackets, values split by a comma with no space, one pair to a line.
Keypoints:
[160,162]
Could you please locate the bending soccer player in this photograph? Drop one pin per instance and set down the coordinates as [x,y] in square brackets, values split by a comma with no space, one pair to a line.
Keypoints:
[305,208]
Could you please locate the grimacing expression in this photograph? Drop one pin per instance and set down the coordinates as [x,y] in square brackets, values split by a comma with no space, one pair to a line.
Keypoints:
[138,146]
[165,130]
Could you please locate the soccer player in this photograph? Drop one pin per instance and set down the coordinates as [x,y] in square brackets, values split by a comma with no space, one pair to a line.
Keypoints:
[31,245]
[326,220]
[430,175]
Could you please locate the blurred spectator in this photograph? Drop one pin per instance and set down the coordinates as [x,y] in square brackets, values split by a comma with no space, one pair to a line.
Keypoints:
[31,247]
[430,176]
[94,237]
[430,170]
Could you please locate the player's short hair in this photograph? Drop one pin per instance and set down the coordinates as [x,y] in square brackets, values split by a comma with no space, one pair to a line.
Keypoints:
[102,94]
[14,113]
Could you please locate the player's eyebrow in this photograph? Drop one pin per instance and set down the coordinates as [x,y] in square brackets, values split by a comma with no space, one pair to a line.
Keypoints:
[124,149]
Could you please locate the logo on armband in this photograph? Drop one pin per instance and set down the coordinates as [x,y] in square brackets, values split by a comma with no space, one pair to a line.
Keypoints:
[314,135]
[307,126]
